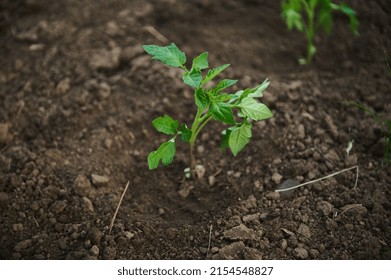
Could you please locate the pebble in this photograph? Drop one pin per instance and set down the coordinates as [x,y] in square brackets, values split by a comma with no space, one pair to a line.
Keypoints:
[211,180]
[231,251]
[63,86]
[106,59]
[99,180]
[276,178]
[87,205]
[301,131]
[325,207]
[304,230]
[23,245]
[200,171]
[300,253]
[185,190]
[298,202]
[273,195]
[58,207]
[17,227]
[94,250]
[241,232]
[250,202]
[283,244]
[104,90]
[82,185]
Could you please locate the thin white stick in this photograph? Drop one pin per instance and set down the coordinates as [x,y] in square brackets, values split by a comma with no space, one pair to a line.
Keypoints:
[210,239]
[320,179]
[116,210]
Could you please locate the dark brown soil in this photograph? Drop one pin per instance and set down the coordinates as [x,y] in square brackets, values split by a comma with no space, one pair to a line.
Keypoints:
[78,95]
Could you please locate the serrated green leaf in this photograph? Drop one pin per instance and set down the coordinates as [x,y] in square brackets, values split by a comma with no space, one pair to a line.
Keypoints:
[166,124]
[222,112]
[201,61]
[293,19]
[193,78]
[186,133]
[258,90]
[239,137]
[254,110]
[223,84]
[225,137]
[201,98]
[169,55]
[164,153]
[213,73]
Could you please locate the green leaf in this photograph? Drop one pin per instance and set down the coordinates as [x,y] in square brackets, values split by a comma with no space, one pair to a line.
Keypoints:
[223,84]
[201,98]
[213,73]
[253,92]
[193,78]
[293,19]
[164,153]
[222,112]
[201,61]
[169,55]
[225,138]
[166,124]
[254,110]
[325,19]
[239,137]
[186,133]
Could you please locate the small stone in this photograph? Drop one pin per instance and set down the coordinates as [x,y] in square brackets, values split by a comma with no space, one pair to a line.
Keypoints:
[185,190]
[211,180]
[230,252]
[4,134]
[23,245]
[250,202]
[300,253]
[325,207]
[36,47]
[314,253]
[17,227]
[276,178]
[106,59]
[94,250]
[200,171]
[99,180]
[301,131]
[82,185]
[251,219]
[200,149]
[87,205]
[129,234]
[241,232]
[214,250]
[304,230]
[58,207]
[63,86]
[283,244]
[298,202]
[332,156]
[104,90]
[273,195]
[108,143]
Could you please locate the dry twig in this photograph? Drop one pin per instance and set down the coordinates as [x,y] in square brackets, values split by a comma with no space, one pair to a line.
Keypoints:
[116,210]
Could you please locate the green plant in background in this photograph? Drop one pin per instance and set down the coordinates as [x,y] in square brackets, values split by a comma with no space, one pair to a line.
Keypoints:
[213,103]
[382,123]
[308,16]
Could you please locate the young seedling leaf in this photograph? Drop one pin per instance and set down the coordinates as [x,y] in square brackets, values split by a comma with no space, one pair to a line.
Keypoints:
[193,78]
[254,110]
[201,61]
[169,55]
[186,133]
[222,112]
[166,125]
[258,91]
[239,137]
[293,19]
[223,84]
[213,73]
[201,98]
[164,153]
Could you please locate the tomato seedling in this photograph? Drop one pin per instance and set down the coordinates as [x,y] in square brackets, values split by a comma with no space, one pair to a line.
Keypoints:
[212,102]
[308,16]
